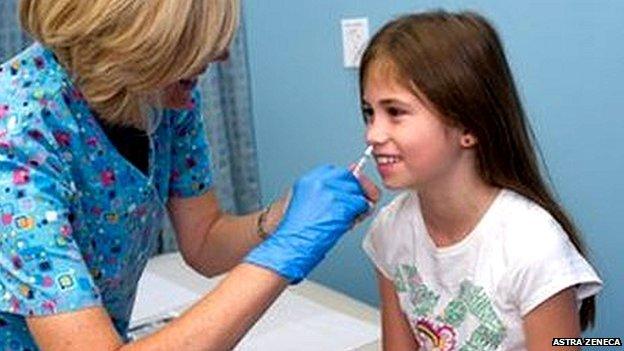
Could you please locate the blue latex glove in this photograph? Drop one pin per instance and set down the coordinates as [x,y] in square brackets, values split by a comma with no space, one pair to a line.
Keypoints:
[324,204]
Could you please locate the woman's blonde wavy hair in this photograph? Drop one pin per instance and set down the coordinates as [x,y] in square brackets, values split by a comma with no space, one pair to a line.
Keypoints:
[122,53]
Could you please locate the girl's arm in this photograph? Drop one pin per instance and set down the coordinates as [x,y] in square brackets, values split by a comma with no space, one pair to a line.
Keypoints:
[396,332]
[556,317]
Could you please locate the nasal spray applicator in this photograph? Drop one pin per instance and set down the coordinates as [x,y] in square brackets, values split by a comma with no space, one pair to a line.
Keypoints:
[359,166]
[356,171]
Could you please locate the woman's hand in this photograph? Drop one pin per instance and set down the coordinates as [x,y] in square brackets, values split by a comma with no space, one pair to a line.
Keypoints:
[370,189]
[325,203]
[372,194]
[277,209]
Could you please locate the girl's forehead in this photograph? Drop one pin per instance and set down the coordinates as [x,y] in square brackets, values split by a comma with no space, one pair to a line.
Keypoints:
[385,73]
[382,77]
[382,69]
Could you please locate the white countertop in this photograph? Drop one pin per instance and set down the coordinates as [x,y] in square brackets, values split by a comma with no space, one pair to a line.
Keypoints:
[307,316]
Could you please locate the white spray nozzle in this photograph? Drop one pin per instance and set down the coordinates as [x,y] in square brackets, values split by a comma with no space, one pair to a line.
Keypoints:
[362,161]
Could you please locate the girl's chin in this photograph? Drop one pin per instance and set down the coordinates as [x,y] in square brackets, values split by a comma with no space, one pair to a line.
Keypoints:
[396,183]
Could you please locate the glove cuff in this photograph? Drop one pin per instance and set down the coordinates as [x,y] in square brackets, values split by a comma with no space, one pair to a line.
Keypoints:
[287,262]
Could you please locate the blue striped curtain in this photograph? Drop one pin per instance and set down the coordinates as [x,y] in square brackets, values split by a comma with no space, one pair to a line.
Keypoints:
[226,100]
[12,39]
[226,108]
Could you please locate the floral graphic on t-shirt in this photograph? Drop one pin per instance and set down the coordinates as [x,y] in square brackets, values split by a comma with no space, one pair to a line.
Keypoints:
[435,336]
[439,328]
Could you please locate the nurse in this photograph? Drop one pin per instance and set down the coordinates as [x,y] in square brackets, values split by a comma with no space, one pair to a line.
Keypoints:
[100,137]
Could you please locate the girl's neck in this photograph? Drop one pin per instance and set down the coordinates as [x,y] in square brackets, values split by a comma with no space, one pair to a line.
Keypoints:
[452,208]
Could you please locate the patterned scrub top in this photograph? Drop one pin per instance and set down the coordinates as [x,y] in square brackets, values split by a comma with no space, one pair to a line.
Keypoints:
[77,220]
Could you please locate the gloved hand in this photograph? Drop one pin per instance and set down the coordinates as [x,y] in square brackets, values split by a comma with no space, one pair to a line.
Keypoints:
[324,205]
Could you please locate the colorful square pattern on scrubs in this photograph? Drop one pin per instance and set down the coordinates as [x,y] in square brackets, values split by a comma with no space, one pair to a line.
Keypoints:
[77,220]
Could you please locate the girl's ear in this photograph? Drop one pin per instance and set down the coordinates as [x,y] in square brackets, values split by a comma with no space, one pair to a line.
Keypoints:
[468,140]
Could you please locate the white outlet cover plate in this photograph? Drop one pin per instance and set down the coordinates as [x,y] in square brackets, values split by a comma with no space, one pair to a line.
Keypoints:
[355,35]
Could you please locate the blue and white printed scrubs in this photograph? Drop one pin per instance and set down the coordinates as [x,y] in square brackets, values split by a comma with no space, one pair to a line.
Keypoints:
[77,220]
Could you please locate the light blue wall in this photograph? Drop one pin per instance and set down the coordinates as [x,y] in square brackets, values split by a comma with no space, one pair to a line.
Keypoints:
[568,59]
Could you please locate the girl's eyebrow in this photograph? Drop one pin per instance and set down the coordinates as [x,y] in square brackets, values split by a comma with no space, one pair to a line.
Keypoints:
[386,102]
[393,102]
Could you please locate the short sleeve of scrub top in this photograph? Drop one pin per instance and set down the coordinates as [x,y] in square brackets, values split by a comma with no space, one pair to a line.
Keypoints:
[43,271]
[190,173]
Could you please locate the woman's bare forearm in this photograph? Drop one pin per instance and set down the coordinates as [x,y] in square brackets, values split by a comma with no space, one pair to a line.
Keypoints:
[220,319]
[225,243]
[212,241]
[217,322]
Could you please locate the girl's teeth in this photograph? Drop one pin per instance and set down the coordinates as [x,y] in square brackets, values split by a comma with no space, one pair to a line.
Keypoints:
[387,159]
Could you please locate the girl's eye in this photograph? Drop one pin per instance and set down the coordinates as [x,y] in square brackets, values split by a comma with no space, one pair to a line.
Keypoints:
[367,114]
[394,111]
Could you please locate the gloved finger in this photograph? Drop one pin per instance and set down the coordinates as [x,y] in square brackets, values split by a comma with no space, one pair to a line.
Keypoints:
[319,172]
[364,215]
[342,180]
[345,186]
[371,190]
[348,206]
[359,204]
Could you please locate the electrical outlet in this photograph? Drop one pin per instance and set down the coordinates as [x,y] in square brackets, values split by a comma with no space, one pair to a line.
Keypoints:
[354,38]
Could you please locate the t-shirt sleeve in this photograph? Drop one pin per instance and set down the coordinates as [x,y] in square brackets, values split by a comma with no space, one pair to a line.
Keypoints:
[190,172]
[550,266]
[42,270]
[375,244]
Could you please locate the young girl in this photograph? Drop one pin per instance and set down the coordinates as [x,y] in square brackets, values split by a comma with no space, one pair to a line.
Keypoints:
[87,181]
[476,253]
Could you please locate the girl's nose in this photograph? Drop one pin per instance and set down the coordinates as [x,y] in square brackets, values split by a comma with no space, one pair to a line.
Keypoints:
[376,133]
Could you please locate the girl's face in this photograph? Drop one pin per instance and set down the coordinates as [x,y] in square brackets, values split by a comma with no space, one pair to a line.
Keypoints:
[411,144]
[179,95]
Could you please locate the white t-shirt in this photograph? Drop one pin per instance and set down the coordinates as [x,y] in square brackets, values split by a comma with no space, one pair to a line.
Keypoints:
[472,295]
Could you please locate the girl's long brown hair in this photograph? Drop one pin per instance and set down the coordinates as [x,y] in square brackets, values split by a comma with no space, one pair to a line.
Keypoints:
[457,61]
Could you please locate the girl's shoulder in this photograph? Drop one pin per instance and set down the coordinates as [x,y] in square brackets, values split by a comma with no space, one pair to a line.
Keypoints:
[525,231]
[389,232]
[516,212]
[400,208]
[535,256]
[396,217]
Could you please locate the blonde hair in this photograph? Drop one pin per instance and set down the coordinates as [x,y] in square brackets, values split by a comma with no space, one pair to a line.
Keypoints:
[122,53]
